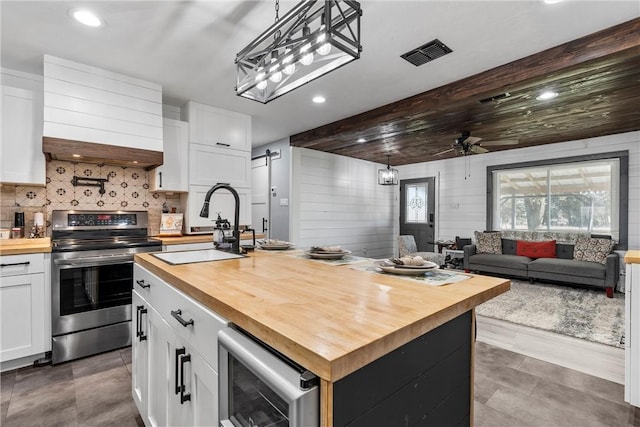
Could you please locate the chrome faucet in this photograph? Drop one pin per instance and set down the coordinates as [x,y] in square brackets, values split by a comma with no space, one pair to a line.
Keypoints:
[235,244]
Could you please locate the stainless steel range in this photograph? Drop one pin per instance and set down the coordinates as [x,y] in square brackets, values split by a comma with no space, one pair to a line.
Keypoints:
[92,279]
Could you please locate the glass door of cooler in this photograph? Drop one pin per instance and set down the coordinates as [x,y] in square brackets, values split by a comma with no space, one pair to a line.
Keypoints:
[251,402]
[260,387]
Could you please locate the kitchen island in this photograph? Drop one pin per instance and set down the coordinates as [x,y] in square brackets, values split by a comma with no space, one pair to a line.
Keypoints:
[353,329]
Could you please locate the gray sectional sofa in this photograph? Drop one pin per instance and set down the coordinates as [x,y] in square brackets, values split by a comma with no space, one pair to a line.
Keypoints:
[562,269]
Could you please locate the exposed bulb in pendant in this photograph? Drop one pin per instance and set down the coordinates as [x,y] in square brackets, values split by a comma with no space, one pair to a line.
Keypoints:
[289,65]
[307,58]
[276,74]
[325,47]
[262,83]
[307,55]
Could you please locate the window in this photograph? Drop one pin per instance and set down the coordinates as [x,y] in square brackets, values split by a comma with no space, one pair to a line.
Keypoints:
[416,208]
[563,195]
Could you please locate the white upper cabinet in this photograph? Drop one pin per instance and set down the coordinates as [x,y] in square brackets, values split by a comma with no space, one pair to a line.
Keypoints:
[216,127]
[173,174]
[22,160]
[211,165]
[85,103]
[219,152]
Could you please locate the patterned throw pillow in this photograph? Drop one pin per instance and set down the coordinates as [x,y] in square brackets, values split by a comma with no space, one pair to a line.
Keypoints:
[592,250]
[489,242]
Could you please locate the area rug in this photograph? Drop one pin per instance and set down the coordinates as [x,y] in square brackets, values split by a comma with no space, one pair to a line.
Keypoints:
[576,312]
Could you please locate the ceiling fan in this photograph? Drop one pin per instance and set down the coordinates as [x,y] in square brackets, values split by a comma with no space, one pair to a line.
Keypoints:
[466,144]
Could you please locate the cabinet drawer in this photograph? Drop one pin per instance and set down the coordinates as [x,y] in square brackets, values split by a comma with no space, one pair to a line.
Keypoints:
[146,284]
[164,298]
[13,265]
[202,325]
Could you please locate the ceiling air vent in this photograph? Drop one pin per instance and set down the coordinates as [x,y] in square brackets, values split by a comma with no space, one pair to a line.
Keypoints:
[426,53]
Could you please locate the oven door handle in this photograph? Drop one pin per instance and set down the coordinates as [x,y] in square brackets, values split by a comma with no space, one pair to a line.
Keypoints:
[96,260]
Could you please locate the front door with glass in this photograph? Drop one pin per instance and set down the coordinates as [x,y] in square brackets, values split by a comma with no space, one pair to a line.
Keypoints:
[417,211]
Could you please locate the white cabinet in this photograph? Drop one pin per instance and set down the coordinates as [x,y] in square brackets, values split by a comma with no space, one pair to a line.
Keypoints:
[174,377]
[173,175]
[219,152]
[140,353]
[632,335]
[216,127]
[22,160]
[160,372]
[25,328]
[196,400]
[210,166]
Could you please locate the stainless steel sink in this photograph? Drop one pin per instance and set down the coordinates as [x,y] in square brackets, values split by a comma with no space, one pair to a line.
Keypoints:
[189,257]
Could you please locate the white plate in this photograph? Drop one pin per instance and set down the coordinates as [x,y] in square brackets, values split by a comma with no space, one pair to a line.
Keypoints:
[427,264]
[327,255]
[274,246]
[405,271]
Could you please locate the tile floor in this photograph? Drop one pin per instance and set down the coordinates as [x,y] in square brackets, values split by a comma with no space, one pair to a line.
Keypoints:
[95,391]
[510,390]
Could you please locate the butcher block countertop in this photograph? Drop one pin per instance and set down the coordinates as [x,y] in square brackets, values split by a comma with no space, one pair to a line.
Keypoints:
[330,319]
[632,257]
[200,238]
[25,246]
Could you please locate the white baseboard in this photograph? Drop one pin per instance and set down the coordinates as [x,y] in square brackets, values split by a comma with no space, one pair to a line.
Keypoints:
[10,365]
[595,359]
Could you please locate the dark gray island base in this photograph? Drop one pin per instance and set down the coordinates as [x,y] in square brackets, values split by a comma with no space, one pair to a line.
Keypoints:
[426,382]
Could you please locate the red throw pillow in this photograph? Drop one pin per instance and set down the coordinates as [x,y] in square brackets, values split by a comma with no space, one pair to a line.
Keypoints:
[545,249]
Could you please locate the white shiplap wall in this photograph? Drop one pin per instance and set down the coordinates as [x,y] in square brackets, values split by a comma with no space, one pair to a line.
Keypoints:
[461,205]
[335,200]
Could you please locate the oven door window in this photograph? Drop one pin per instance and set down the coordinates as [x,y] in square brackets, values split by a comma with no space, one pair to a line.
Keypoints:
[252,402]
[92,288]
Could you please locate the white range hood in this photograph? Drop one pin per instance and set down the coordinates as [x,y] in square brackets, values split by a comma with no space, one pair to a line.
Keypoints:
[102,116]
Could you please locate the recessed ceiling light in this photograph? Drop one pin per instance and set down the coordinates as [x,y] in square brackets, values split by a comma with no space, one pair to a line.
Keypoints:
[546,95]
[552,1]
[86,17]
[319,99]
[361,140]
[76,155]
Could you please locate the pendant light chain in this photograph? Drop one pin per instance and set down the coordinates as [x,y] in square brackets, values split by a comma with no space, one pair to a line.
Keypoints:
[276,36]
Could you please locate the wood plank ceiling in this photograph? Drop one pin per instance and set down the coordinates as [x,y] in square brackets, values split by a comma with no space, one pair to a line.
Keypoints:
[597,78]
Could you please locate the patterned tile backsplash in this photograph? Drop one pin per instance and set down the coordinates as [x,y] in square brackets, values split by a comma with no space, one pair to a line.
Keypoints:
[125,189]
